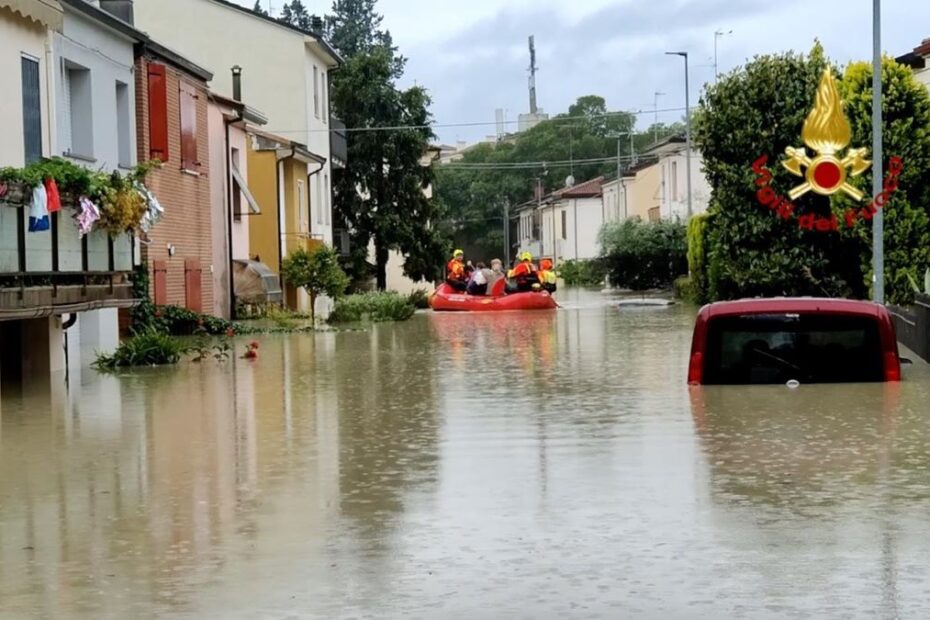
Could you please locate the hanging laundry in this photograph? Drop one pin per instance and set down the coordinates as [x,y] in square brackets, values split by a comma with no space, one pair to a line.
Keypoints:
[38,211]
[53,197]
[154,212]
[87,214]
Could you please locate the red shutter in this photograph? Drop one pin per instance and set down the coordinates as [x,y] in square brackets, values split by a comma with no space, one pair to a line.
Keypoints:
[192,285]
[160,276]
[158,113]
[188,127]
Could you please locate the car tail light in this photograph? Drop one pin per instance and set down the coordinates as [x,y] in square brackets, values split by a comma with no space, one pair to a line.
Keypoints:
[892,366]
[696,368]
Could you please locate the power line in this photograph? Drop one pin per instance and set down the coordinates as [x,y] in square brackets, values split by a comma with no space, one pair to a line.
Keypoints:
[528,165]
[559,119]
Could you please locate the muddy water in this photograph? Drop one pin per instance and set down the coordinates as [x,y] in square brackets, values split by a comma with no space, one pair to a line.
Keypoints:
[496,466]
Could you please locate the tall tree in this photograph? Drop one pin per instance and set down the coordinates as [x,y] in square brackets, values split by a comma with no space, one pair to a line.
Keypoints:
[259,9]
[381,193]
[295,14]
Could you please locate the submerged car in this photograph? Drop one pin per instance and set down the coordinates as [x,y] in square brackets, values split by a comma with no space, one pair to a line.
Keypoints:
[808,340]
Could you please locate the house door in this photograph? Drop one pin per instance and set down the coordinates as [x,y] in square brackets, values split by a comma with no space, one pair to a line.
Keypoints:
[192,285]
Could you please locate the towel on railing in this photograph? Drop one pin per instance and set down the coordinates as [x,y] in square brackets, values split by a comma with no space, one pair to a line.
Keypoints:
[38,210]
[87,214]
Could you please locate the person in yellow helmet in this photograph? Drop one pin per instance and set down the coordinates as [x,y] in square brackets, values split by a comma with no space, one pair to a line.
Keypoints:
[524,273]
[455,271]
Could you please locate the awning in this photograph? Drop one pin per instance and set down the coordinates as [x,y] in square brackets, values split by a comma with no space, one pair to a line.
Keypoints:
[244,188]
[46,12]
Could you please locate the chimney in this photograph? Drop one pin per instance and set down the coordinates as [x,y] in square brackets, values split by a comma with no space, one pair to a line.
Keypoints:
[121,9]
[237,83]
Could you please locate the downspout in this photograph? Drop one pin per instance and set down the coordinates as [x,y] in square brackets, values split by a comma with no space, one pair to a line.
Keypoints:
[310,212]
[229,220]
[279,175]
[65,326]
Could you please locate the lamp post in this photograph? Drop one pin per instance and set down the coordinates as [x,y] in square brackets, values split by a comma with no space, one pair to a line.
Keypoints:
[688,126]
[717,35]
[619,135]
[655,125]
[878,229]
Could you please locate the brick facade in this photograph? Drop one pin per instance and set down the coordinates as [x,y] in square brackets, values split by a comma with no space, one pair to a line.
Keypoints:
[185,195]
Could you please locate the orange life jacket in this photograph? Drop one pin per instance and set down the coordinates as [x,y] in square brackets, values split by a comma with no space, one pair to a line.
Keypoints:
[523,269]
[455,270]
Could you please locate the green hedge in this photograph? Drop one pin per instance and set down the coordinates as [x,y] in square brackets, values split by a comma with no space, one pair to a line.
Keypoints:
[374,307]
[149,347]
[644,255]
[583,272]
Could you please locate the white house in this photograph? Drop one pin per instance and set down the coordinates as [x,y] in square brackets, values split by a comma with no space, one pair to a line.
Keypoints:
[285,73]
[565,224]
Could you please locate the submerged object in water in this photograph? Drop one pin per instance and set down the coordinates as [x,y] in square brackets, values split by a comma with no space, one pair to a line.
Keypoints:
[645,302]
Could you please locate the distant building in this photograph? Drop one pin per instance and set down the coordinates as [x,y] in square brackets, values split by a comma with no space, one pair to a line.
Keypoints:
[528,121]
[563,225]
[656,189]
[917,60]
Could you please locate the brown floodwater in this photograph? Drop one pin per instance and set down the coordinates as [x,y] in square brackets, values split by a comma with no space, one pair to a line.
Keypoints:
[535,465]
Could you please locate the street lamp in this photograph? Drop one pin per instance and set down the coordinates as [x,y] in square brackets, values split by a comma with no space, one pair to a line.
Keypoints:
[717,35]
[688,126]
[878,228]
[655,125]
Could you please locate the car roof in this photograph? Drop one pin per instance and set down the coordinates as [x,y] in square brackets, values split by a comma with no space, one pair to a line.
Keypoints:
[771,305]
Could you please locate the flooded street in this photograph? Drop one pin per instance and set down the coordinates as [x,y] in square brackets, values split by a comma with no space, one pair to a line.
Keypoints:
[466,466]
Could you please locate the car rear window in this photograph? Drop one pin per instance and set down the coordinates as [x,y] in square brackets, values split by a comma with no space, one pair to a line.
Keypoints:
[775,348]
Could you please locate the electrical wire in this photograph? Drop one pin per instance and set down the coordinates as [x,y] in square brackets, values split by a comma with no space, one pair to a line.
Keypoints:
[559,119]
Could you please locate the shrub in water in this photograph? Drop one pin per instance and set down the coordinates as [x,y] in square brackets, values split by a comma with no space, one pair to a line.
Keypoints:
[644,255]
[374,307]
[149,347]
[419,298]
[583,272]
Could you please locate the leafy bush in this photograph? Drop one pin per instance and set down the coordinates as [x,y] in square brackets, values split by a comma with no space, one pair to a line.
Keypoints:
[760,110]
[643,255]
[419,298]
[374,307]
[317,271]
[149,347]
[684,289]
[697,257]
[583,272]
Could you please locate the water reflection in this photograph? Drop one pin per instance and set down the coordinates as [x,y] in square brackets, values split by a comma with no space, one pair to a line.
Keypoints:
[551,464]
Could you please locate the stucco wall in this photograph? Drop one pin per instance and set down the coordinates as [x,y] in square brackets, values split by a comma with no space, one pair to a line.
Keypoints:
[645,192]
[277,71]
[263,228]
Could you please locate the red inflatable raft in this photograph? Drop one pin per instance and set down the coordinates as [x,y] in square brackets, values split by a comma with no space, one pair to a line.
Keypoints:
[446,299]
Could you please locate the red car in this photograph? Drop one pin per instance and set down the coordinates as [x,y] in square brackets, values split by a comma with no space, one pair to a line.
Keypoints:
[809,340]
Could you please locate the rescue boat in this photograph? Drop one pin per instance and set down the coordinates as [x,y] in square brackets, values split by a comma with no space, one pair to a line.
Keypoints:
[447,299]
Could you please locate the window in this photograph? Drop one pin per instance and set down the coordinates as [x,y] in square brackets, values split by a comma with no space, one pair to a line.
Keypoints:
[158,113]
[122,125]
[324,84]
[327,206]
[674,180]
[188,105]
[810,348]
[302,208]
[32,110]
[317,199]
[237,192]
[316,92]
[564,224]
[654,214]
[78,118]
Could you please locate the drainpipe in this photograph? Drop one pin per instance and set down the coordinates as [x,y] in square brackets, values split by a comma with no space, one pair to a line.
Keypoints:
[310,211]
[65,326]
[237,95]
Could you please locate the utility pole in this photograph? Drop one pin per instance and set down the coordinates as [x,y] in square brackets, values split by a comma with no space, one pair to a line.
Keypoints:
[717,35]
[878,226]
[655,124]
[688,126]
[506,234]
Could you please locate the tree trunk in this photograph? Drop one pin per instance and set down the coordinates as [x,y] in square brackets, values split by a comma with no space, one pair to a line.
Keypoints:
[381,259]
[313,309]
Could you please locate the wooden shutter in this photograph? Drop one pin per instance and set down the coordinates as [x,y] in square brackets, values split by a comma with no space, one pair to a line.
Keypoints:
[160,277]
[158,113]
[188,107]
[192,285]
[32,110]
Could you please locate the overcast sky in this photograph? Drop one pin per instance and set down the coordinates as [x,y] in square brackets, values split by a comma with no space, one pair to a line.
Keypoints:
[472,54]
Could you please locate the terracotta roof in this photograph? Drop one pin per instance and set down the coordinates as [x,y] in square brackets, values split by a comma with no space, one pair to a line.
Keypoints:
[588,189]
[923,49]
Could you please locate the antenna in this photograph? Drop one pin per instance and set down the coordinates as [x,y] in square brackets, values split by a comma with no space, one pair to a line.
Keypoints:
[533,74]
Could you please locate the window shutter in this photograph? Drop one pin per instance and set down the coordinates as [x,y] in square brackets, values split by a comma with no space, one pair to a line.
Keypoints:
[65,117]
[188,127]
[32,110]
[158,113]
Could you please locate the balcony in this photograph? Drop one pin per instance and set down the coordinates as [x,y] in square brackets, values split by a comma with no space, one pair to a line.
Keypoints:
[56,271]
[338,143]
